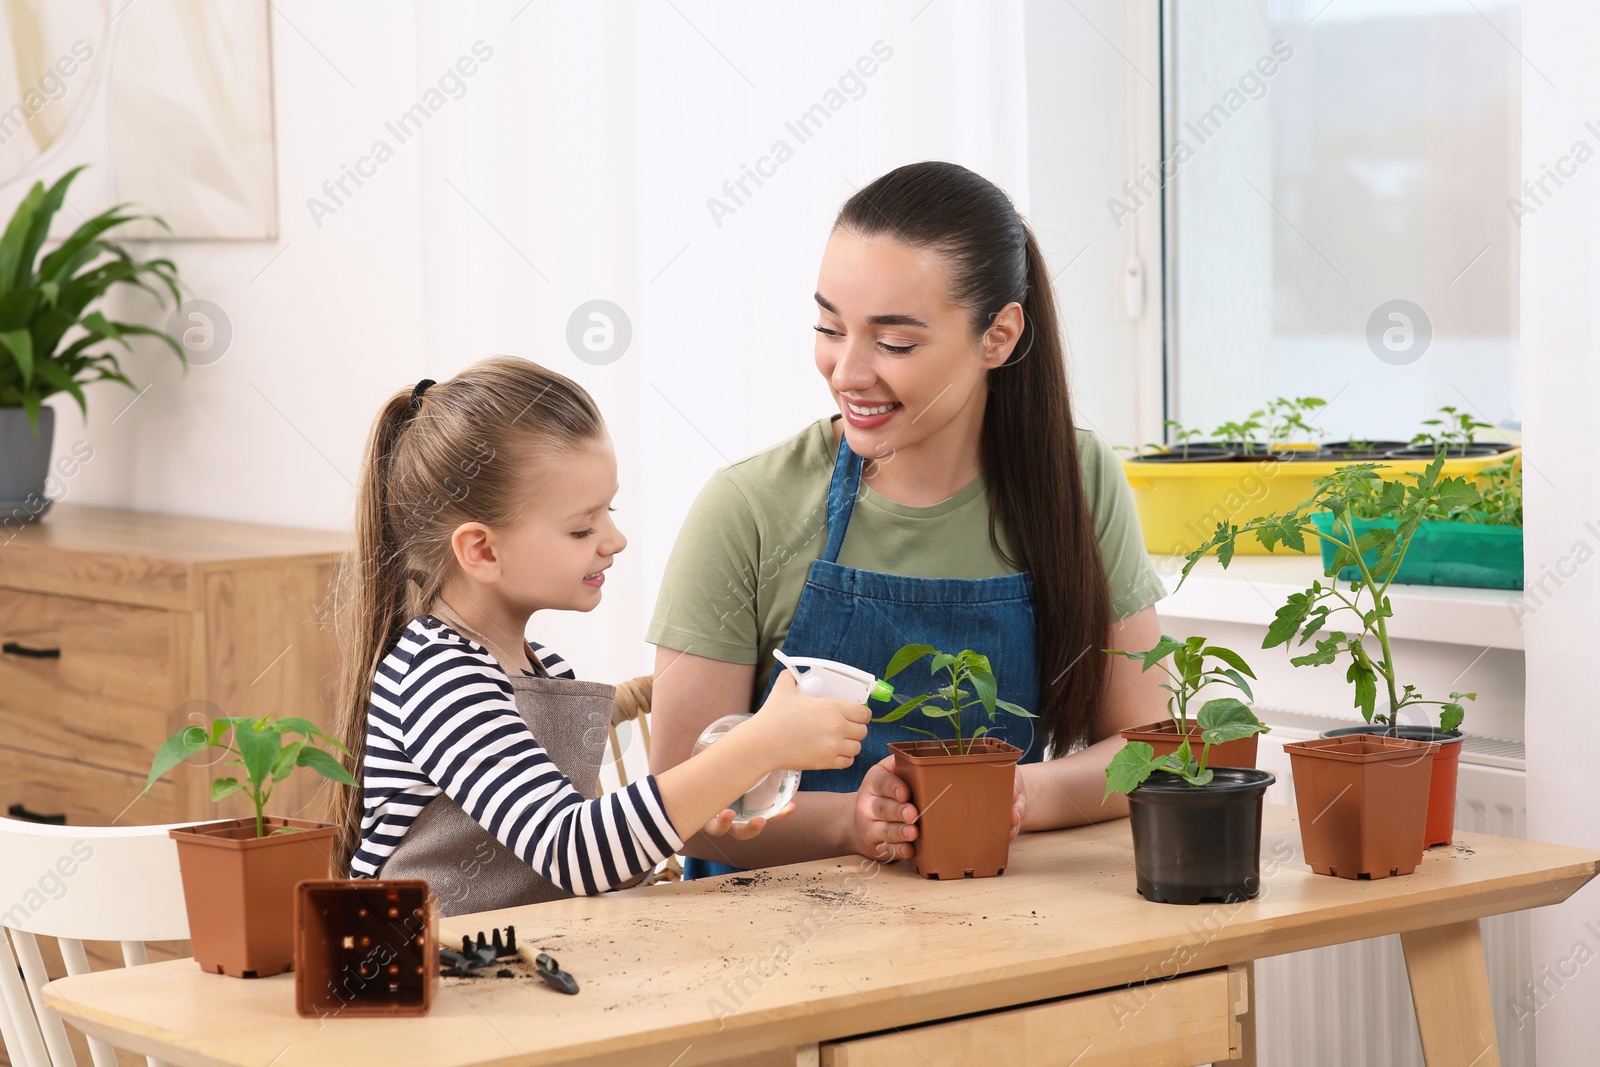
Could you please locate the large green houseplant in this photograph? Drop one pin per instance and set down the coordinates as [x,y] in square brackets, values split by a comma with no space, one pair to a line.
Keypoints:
[239,875]
[1376,553]
[54,338]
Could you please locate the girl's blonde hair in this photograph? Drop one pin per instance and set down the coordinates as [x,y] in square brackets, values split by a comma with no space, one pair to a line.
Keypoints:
[462,451]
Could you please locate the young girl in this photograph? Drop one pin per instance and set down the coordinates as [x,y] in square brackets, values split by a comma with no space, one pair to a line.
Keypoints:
[484,499]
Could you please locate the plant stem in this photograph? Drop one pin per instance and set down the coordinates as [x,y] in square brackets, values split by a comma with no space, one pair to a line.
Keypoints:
[1386,668]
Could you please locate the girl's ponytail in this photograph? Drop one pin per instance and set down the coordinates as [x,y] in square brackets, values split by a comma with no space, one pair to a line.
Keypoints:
[371,611]
[463,450]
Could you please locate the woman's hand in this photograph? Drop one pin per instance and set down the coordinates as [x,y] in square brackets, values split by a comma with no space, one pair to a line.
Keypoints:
[885,821]
[723,824]
[1019,803]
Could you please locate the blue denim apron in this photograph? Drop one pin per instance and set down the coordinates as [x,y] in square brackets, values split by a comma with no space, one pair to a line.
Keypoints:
[862,618]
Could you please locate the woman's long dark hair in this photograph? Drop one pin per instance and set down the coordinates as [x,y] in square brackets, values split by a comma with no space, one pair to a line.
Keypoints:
[1029,445]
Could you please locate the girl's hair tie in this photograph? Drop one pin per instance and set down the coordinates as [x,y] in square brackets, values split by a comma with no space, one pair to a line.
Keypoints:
[417,391]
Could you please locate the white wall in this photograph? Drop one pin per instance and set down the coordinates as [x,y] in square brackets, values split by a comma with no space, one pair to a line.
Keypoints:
[577,164]
[1560,357]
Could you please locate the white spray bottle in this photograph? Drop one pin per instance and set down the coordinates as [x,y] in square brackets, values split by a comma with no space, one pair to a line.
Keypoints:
[822,678]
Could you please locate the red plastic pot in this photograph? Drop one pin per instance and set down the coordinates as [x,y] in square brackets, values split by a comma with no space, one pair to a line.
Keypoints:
[1441,787]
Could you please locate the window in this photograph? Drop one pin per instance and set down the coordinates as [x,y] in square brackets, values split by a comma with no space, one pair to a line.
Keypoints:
[1342,190]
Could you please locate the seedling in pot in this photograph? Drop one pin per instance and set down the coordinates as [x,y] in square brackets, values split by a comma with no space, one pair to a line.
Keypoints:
[1182,435]
[1454,430]
[1367,647]
[966,669]
[1289,417]
[1242,434]
[1221,719]
[267,749]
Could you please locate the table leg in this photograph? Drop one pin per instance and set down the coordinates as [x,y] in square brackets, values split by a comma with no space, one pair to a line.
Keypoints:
[1450,988]
[1247,1017]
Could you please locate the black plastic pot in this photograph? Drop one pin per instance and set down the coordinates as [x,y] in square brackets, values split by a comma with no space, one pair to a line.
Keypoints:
[1369,450]
[1192,454]
[1199,845]
[1477,448]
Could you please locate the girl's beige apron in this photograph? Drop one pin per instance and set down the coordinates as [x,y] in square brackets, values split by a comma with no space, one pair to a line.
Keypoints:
[467,867]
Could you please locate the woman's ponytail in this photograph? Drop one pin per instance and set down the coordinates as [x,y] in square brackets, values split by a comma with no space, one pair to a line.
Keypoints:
[1029,443]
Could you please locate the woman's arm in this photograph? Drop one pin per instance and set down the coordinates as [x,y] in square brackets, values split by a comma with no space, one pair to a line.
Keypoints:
[690,693]
[1067,791]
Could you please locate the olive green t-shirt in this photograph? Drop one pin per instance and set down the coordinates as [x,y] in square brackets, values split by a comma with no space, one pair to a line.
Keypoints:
[735,575]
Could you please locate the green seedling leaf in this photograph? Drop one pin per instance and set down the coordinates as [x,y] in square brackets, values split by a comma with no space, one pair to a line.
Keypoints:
[259,750]
[173,751]
[1451,716]
[1227,719]
[1287,621]
[225,787]
[904,658]
[1197,780]
[1230,657]
[325,765]
[1238,681]
[1365,679]
[306,728]
[983,684]
[285,762]
[1014,709]
[1129,768]
[942,661]
[898,713]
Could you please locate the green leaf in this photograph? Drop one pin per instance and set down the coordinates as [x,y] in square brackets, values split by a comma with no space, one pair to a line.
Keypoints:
[1451,716]
[325,765]
[290,724]
[983,684]
[1365,679]
[1238,679]
[225,787]
[1227,719]
[1197,780]
[173,751]
[941,661]
[1160,651]
[1228,656]
[897,713]
[904,658]
[20,344]
[259,749]
[286,759]
[1014,709]
[1129,768]
[1286,622]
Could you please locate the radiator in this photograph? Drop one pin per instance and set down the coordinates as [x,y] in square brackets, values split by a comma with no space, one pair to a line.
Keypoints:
[1350,1005]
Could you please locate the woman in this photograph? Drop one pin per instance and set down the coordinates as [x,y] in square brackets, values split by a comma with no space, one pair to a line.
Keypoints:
[951,503]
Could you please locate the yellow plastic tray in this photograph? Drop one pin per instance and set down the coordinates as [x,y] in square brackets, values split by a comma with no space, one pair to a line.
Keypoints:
[1180,504]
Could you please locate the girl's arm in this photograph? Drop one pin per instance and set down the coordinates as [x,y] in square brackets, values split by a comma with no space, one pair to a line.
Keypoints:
[690,693]
[1067,791]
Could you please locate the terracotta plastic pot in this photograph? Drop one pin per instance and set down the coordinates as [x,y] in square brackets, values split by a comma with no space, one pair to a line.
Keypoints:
[1363,803]
[365,947]
[1198,844]
[1441,827]
[239,890]
[1163,737]
[963,805]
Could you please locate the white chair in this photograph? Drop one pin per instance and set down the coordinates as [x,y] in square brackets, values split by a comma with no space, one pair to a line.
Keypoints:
[77,884]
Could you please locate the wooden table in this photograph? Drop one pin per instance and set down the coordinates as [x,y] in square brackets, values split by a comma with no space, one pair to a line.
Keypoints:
[797,961]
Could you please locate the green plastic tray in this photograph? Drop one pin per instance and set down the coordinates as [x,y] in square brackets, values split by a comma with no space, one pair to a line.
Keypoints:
[1444,553]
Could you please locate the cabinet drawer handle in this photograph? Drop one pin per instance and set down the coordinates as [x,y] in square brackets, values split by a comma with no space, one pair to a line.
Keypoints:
[18,811]
[11,648]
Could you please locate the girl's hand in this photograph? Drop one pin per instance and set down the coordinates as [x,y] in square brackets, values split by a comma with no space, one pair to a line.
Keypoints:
[804,733]
[885,821]
[723,824]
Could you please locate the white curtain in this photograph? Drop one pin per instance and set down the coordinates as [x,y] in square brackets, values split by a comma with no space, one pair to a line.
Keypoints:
[613,152]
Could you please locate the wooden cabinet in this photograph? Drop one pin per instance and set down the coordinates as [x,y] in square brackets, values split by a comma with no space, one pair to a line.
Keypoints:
[118,628]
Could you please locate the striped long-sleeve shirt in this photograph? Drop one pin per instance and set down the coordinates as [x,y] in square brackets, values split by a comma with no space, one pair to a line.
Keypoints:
[443,719]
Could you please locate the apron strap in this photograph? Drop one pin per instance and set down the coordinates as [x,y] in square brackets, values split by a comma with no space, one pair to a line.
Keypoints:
[842,492]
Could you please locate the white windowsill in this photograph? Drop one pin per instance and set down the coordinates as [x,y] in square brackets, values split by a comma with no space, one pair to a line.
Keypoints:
[1253,588]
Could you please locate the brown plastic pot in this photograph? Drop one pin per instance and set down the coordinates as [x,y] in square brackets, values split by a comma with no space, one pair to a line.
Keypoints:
[1441,827]
[365,947]
[1163,737]
[1363,803]
[963,805]
[239,890]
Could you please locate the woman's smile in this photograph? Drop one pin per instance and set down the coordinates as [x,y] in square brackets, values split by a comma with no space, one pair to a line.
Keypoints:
[868,416]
